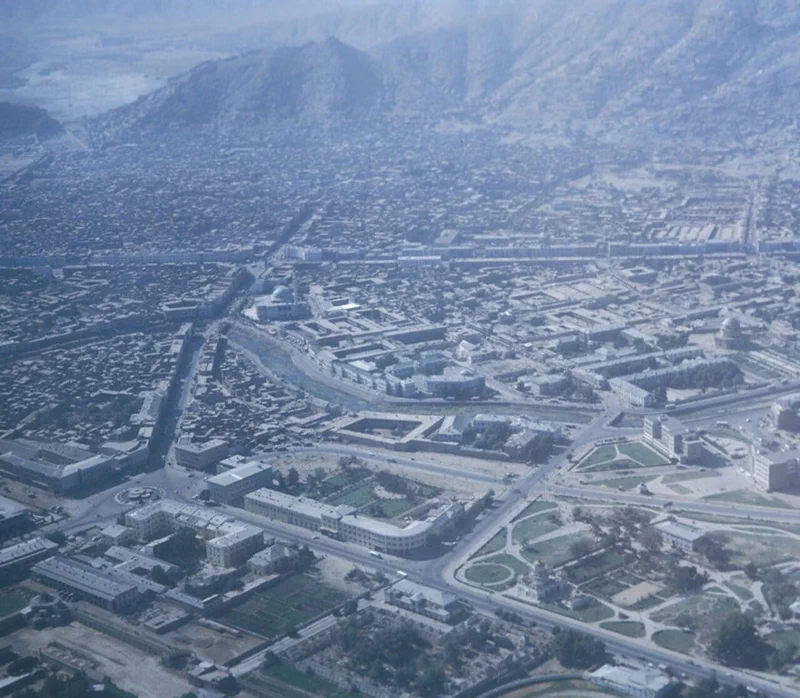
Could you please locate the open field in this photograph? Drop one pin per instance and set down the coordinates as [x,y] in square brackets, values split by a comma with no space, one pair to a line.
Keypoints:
[13,600]
[694,610]
[554,551]
[494,545]
[560,689]
[591,614]
[273,611]
[284,681]
[602,454]
[534,527]
[626,483]
[763,549]
[675,640]
[595,565]
[643,454]
[748,497]
[488,574]
[629,628]
[534,508]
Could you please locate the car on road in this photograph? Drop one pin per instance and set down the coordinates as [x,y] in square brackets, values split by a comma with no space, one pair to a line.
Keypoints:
[315,536]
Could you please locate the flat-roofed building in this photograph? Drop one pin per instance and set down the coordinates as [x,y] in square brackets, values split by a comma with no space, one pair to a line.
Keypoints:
[640,683]
[777,471]
[86,583]
[672,438]
[426,601]
[230,486]
[345,523]
[680,535]
[25,554]
[14,517]
[270,559]
[234,548]
[200,456]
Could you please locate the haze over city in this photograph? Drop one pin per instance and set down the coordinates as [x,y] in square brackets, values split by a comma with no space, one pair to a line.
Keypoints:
[399,348]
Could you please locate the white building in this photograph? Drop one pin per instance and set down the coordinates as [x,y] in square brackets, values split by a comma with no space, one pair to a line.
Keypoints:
[234,548]
[680,535]
[200,456]
[640,683]
[345,523]
[231,485]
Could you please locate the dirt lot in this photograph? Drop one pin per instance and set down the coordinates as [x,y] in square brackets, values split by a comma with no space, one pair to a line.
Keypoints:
[210,644]
[636,593]
[307,461]
[131,669]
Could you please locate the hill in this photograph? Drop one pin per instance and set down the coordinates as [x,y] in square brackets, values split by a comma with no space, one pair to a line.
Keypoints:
[18,120]
[716,71]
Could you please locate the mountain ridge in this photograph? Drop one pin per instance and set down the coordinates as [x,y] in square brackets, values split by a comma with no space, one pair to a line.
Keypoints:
[724,70]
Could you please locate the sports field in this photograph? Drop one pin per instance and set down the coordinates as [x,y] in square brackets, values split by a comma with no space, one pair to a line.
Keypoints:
[290,602]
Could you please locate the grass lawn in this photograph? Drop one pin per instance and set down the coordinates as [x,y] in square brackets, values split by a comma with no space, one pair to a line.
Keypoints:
[675,640]
[685,477]
[619,464]
[560,689]
[600,455]
[591,614]
[13,600]
[647,603]
[740,591]
[695,609]
[290,602]
[315,685]
[515,564]
[626,483]
[554,551]
[642,453]
[605,587]
[494,545]
[764,549]
[784,638]
[748,497]
[357,498]
[535,508]
[488,574]
[595,565]
[629,628]
[533,527]
[396,507]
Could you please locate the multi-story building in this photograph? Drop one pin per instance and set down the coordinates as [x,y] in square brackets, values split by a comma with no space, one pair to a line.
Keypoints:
[432,603]
[777,471]
[234,548]
[672,438]
[14,517]
[86,583]
[680,535]
[344,522]
[200,456]
[230,486]
[25,554]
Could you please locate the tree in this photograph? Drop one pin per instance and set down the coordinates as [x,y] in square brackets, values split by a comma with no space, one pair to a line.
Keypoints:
[159,576]
[576,650]
[651,539]
[686,579]
[57,537]
[736,642]
[349,607]
[580,547]
[714,551]
[204,495]
[292,479]
[751,570]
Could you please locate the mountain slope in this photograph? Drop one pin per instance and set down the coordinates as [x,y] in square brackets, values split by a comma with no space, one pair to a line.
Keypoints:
[18,120]
[718,70]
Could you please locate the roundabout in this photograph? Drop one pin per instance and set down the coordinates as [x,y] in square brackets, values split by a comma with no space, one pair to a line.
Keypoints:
[134,496]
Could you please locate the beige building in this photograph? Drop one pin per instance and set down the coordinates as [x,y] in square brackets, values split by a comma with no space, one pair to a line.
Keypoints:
[671,438]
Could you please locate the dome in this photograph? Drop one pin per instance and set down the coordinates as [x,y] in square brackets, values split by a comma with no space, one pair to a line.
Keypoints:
[282,294]
[731,327]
